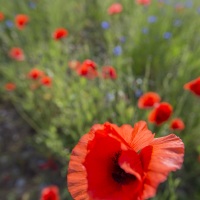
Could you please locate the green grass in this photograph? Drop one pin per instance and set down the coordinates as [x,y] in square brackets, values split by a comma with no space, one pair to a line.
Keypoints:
[62,113]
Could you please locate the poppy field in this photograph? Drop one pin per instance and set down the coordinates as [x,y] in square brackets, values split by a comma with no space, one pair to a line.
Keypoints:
[101,100]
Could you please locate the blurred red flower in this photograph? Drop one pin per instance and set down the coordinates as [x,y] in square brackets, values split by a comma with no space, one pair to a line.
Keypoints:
[127,162]
[49,164]
[35,74]
[74,64]
[143,2]
[193,86]
[60,33]
[177,124]
[50,193]
[148,100]
[88,69]
[17,53]
[46,81]
[160,113]
[10,86]
[108,72]
[21,20]
[115,8]
[1,16]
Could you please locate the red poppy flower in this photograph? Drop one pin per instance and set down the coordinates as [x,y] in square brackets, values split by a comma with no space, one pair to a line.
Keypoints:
[115,8]
[21,21]
[35,74]
[17,53]
[46,81]
[109,72]
[60,33]
[177,124]
[148,100]
[143,2]
[50,193]
[161,113]
[1,16]
[10,86]
[88,69]
[193,86]
[112,162]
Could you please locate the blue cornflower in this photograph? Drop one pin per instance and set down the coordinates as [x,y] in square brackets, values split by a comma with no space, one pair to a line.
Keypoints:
[152,19]
[117,50]
[105,25]
[198,10]
[138,93]
[32,5]
[122,39]
[177,22]
[145,30]
[167,35]
[189,4]
[9,23]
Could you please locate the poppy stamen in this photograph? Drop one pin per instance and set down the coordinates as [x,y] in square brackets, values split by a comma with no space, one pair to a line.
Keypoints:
[118,174]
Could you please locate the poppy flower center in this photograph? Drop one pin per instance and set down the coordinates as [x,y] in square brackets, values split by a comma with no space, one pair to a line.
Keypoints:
[118,174]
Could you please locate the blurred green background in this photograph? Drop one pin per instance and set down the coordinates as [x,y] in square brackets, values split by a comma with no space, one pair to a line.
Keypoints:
[153,48]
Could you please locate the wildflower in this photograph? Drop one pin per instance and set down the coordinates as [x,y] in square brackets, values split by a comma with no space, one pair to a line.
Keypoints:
[138,93]
[1,16]
[167,35]
[17,53]
[179,8]
[46,81]
[145,30]
[21,21]
[122,39]
[109,72]
[115,8]
[10,86]
[143,2]
[88,69]
[160,113]
[193,86]
[177,22]
[35,73]
[148,100]
[105,25]
[32,5]
[131,168]
[177,124]
[152,19]
[60,33]
[74,64]
[9,23]
[50,193]
[117,50]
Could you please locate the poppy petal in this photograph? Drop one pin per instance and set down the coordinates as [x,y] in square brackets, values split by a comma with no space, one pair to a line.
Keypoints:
[163,155]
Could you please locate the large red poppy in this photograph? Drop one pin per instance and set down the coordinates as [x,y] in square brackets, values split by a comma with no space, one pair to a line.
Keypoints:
[148,100]
[50,193]
[160,113]
[177,124]
[21,20]
[193,86]
[126,162]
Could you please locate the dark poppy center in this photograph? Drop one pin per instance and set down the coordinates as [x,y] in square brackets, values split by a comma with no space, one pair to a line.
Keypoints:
[119,175]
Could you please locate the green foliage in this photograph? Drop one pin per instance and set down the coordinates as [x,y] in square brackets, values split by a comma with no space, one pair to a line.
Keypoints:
[62,113]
